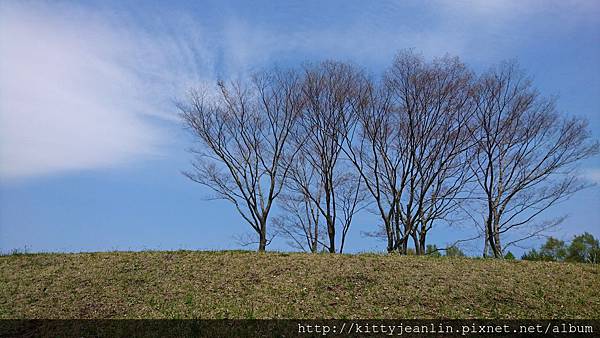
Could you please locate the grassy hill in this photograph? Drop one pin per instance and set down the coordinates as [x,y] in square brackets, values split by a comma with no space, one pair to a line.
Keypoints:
[189,284]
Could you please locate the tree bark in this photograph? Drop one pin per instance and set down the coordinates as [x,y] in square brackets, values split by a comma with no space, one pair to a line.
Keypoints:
[331,234]
[422,240]
[389,231]
[262,241]
[486,245]
[498,245]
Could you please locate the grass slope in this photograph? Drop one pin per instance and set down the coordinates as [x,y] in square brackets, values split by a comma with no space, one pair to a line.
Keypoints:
[274,285]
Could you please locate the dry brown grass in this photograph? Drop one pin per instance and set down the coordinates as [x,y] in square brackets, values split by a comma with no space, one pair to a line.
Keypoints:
[188,284]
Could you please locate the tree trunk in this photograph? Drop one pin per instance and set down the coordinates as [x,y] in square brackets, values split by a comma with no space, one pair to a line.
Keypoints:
[314,245]
[389,231]
[494,245]
[331,234]
[403,246]
[401,241]
[493,238]
[489,244]
[262,241]
[390,241]
[416,243]
[343,241]
[486,243]
[498,245]
[422,246]
[487,249]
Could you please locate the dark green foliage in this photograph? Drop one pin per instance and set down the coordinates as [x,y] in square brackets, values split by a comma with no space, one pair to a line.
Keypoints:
[531,255]
[454,251]
[509,256]
[554,249]
[432,250]
[583,249]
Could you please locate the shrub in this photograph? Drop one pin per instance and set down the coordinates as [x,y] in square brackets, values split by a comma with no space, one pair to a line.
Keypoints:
[454,251]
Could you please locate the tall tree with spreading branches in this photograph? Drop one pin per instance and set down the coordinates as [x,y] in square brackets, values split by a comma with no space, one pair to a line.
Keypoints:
[243,131]
[411,149]
[525,156]
[321,180]
[432,100]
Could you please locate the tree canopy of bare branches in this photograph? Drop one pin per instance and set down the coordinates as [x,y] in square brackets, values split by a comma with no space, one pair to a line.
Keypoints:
[524,156]
[412,149]
[243,131]
[435,110]
[322,188]
[424,144]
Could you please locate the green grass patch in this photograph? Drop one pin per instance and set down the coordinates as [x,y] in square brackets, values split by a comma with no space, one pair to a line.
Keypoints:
[233,284]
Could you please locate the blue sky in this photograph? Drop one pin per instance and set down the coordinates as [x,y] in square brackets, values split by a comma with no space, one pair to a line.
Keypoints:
[91,149]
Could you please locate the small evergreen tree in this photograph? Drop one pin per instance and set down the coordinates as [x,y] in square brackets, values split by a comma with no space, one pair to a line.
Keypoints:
[454,251]
[584,249]
[432,250]
[531,255]
[553,250]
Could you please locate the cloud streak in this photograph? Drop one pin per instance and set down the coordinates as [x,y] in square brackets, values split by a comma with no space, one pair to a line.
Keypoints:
[67,101]
[82,91]
[592,175]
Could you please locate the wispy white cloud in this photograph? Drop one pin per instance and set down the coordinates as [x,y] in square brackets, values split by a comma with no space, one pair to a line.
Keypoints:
[77,88]
[66,100]
[592,175]
[82,89]
[78,92]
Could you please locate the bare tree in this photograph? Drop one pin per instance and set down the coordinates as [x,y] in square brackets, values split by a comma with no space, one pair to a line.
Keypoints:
[525,155]
[422,142]
[376,153]
[243,131]
[411,152]
[301,220]
[434,106]
[320,180]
